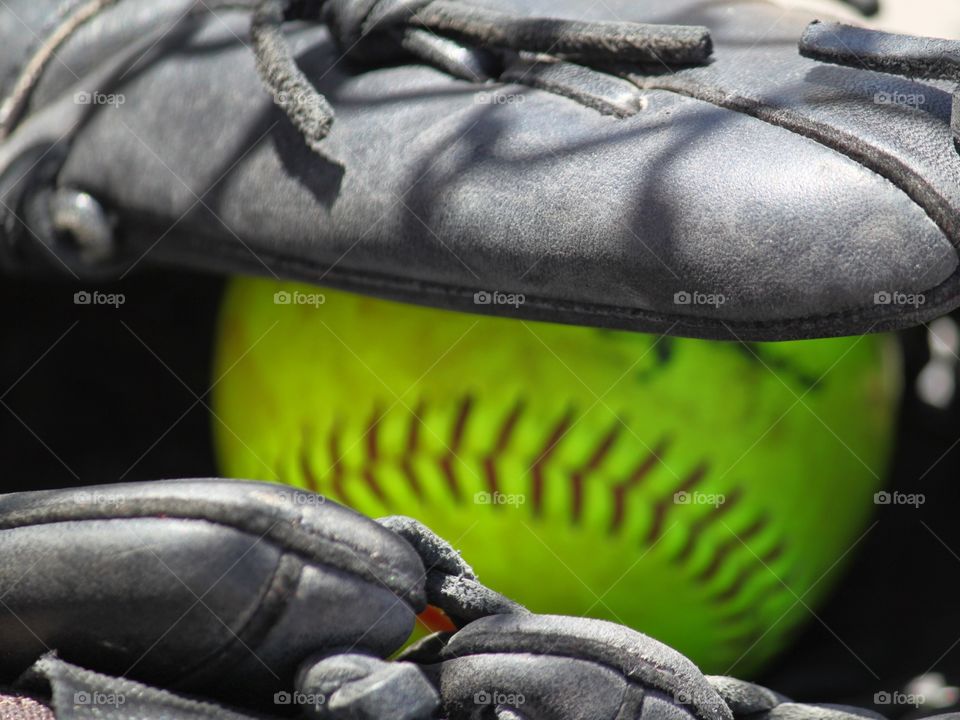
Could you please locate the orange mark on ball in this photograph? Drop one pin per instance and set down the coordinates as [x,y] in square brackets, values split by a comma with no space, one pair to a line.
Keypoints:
[435,620]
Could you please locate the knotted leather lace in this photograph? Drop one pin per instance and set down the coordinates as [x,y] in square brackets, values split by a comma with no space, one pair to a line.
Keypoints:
[434,31]
[415,26]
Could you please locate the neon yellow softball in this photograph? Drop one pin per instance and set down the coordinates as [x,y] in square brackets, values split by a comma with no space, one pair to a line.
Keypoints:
[702,492]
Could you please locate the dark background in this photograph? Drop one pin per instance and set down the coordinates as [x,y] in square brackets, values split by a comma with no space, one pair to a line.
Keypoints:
[90,409]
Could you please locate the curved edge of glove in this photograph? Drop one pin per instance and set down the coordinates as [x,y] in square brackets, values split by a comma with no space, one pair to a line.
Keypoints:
[216,586]
[301,521]
[637,657]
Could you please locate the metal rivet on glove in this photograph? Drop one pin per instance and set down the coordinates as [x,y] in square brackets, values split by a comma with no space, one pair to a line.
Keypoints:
[82,220]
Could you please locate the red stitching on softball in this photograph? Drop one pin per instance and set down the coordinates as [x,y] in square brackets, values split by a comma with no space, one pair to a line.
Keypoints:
[369,470]
[337,468]
[372,428]
[665,503]
[499,448]
[773,554]
[736,586]
[750,612]
[556,435]
[305,469]
[697,528]
[446,462]
[634,480]
[576,479]
[410,451]
[726,548]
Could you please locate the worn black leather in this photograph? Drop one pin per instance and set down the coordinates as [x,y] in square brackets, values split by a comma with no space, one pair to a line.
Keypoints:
[191,599]
[76,693]
[219,586]
[571,668]
[543,667]
[240,591]
[773,180]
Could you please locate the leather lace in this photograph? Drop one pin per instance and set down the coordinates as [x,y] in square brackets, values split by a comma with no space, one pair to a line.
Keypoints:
[417,26]
[450,34]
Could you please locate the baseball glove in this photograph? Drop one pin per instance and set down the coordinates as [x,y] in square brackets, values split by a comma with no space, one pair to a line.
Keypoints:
[710,169]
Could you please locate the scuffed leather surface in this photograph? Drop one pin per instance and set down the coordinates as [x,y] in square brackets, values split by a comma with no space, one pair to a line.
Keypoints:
[740,178]
[631,656]
[744,698]
[222,585]
[535,667]
[557,688]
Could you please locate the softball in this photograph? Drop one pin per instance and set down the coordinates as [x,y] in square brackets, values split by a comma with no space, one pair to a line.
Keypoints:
[705,493]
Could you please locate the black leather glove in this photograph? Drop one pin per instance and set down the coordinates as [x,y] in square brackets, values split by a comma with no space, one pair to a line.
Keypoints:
[218,599]
[693,175]
[219,587]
